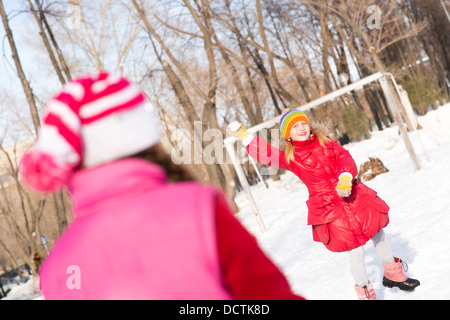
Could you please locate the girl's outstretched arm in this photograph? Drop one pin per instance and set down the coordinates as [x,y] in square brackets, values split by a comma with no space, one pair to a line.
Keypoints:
[264,152]
[258,148]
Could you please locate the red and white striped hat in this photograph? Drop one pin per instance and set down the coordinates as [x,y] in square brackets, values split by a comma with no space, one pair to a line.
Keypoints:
[94,119]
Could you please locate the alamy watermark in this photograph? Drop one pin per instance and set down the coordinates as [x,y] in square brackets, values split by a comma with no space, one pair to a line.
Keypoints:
[208,147]
[374,20]
[73,282]
[73,21]
[74,279]
[375,274]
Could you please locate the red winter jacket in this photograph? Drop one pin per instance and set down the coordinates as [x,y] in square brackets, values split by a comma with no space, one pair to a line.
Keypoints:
[341,224]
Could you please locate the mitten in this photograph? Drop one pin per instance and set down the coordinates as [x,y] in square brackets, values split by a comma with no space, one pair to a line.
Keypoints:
[238,130]
[344,186]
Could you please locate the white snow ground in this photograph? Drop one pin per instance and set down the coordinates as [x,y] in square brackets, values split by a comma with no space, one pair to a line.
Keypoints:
[419,229]
[25,291]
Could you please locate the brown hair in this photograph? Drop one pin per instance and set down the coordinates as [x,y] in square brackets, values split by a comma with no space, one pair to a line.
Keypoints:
[321,133]
[157,155]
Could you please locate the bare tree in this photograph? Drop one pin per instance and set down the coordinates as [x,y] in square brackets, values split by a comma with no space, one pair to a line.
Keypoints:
[217,172]
[20,211]
[21,74]
[377,40]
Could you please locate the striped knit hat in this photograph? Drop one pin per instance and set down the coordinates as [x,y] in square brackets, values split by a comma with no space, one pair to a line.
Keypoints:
[94,119]
[288,119]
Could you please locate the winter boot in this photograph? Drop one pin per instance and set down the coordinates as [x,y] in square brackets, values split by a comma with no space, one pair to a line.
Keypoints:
[395,277]
[366,292]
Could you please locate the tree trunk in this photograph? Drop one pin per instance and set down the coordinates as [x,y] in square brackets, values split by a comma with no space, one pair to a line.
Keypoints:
[25,83]
[46,43]
[62,61]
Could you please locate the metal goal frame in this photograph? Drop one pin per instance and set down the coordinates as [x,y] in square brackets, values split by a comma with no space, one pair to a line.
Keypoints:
[381,77]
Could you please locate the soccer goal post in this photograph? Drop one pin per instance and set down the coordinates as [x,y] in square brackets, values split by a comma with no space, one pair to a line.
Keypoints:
[382,78]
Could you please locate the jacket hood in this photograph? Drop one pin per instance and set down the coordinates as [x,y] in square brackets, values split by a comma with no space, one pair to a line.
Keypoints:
[320,128]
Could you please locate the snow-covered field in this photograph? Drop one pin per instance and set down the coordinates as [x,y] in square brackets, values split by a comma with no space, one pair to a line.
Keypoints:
[419,229]
[25,291]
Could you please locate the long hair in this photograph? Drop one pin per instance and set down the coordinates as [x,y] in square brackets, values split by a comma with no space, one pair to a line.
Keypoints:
[321,132]
[157,155]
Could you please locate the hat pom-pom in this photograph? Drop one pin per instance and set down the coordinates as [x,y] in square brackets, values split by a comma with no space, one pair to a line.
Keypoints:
[40,171]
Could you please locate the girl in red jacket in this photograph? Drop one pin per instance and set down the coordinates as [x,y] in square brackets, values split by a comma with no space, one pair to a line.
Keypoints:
[343,212]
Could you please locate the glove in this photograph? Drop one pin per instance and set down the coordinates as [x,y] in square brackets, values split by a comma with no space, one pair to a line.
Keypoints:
[344,186]
[238,130]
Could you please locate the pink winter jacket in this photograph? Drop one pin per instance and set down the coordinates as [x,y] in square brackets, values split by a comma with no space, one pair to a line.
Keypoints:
[135,237]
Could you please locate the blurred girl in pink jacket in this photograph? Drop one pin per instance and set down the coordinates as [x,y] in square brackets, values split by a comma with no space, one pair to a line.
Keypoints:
[134,234]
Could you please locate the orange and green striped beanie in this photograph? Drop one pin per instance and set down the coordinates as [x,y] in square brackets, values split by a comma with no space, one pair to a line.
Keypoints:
[288,119]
